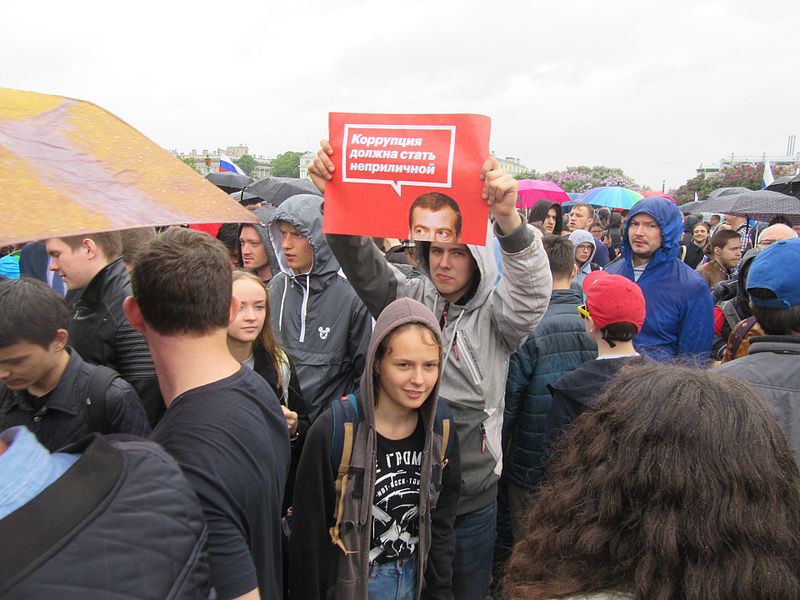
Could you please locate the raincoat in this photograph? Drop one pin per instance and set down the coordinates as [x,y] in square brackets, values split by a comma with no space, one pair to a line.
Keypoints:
[317,316]
[680,318]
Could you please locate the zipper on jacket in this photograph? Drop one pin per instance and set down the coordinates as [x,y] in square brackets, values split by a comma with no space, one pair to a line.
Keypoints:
[464,351]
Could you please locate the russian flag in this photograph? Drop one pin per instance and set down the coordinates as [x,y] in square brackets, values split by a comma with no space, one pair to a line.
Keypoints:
[226,165]
[768,178]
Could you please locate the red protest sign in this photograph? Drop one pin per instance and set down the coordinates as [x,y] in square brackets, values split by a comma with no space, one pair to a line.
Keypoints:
[408,176]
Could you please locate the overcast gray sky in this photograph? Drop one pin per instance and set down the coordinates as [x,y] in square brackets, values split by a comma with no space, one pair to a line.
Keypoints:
[652,87]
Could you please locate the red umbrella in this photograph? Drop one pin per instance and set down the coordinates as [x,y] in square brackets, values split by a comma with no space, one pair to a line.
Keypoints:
[533,190]
[658,195]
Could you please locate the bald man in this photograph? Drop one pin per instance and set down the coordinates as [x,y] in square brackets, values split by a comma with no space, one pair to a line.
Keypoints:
[775,233]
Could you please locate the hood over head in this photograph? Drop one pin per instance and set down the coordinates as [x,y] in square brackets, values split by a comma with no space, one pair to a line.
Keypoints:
[540,210]
[264,214]
[670,221]
[581,236]
[484,278]
[742,300]
[304,212]
[400,312]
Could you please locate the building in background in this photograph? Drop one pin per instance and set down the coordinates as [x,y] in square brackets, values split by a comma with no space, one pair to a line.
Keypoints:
[207,161]
[511,164]
[776,160]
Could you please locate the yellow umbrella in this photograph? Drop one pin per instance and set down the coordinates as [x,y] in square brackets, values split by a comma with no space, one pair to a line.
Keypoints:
[69,167]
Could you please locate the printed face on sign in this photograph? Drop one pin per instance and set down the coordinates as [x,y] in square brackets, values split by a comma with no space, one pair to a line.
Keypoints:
[435,217]
[414,177]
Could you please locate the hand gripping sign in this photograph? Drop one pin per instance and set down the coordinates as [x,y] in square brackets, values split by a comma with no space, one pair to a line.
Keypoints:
[408,177]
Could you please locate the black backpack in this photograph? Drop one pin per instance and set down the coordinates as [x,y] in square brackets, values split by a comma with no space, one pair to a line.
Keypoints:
[99,382]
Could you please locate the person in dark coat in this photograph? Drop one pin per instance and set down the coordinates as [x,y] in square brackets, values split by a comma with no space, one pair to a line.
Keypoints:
[558,345]
[549,215]
[771,366]
[696,246]
[98,328]
[614,313]
[44,384]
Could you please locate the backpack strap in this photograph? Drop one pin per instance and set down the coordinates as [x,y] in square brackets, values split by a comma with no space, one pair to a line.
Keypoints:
[739,333]
[345,426]
[443,425]
[99,382]
[729,310]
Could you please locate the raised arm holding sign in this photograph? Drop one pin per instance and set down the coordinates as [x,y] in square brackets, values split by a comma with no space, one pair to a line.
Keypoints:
[482,326]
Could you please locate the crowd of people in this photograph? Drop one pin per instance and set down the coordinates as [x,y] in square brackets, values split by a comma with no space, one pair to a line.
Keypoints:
[281,413]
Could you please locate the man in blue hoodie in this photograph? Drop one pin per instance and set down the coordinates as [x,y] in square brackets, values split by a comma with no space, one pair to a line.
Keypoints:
[680,318]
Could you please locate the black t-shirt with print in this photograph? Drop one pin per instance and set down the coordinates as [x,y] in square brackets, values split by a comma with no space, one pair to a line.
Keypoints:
[395,507]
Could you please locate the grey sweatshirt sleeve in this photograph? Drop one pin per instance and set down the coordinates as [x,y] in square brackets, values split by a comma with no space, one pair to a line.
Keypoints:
[372,278]
[523,294]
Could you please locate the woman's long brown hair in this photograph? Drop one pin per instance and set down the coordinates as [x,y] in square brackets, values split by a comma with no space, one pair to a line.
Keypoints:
[266,337]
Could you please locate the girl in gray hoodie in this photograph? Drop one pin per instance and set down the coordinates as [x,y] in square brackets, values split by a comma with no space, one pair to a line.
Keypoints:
[390,534]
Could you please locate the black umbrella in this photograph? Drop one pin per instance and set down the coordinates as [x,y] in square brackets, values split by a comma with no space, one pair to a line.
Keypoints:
[229,182]
[277,189]
[245,198]
[761,205]
[690,207]
[788,184]
[727,191]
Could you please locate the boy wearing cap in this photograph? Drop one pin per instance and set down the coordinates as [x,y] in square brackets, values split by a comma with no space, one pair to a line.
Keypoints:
[772,365]
[613,315]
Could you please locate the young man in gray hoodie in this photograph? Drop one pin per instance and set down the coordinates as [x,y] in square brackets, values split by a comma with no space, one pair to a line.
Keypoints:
[482,327]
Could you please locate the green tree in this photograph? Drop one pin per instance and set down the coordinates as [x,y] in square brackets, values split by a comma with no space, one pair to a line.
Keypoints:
[287,164]
[531,174]
[247,164]
[189,160]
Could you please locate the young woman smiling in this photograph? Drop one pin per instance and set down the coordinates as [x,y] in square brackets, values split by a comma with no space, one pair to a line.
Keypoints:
[387,537]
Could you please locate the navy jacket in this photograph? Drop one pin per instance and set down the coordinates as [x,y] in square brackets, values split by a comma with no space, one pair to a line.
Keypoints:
[558,345]
[680,311]
[122,522]
[576,392]
[61,417]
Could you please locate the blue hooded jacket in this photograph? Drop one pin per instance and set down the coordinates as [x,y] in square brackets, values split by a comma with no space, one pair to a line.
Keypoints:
[680,310]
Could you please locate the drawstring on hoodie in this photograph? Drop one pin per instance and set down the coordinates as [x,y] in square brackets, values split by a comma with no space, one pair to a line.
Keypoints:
[283,300]
[304,309]
[304,306]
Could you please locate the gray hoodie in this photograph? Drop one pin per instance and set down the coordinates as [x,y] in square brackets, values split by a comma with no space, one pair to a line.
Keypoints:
[479,336]
[578,237]
[264,214]
[317,316]
[320,569]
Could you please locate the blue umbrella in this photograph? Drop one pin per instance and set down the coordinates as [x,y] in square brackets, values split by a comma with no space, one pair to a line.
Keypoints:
[574,198]
[612,197]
